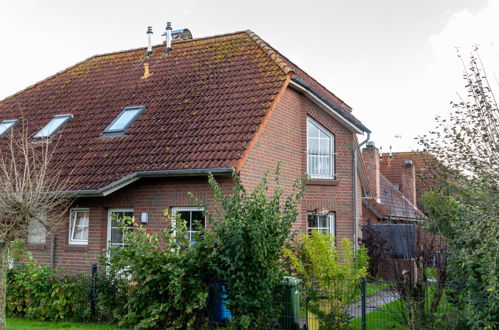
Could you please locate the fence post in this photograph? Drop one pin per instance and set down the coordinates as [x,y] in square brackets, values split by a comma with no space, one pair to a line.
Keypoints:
[363,301]
[92,289]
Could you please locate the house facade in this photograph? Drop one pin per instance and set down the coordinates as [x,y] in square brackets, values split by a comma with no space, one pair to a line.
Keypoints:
[135,134]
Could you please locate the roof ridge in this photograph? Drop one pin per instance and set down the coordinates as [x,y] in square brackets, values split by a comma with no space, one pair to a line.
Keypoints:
[271,52]
[108,54]
[173,42]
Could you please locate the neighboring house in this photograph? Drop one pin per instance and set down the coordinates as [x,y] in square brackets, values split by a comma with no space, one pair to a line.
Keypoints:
[135,134]
[392,167]
[390,202]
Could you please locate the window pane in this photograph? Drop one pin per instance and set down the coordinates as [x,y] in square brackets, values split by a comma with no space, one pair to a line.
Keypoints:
[123,120]
[186,216]
[116,236]
[51,127]
[312,221]
[198,216]
[325,146]
[313,131]
[80,226]
[80,233]
[6,125]
[116,232]
[323,221]
[81,219]
[313,146]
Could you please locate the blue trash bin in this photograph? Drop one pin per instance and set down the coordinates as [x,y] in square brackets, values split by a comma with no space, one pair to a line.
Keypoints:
[221,314]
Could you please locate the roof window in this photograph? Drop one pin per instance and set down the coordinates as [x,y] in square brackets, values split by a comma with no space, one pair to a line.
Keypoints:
[53,126]
[6,125]
[124,120]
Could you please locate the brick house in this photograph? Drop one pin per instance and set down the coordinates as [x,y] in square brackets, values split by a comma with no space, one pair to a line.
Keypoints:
[136,133]
[393,185]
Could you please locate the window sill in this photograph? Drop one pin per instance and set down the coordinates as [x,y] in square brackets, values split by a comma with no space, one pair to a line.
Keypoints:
[322,182]
[37,247]
[75,248]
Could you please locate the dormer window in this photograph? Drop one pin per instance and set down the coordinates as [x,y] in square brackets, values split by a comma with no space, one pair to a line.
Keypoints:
[320,151]
[6,125]
[124,120]
[53,126]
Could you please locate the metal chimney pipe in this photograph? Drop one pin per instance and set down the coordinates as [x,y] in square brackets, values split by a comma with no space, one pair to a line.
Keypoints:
[149,43]
[168,34]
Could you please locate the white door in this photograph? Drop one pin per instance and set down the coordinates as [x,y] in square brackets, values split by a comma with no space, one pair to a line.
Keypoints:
[114,233]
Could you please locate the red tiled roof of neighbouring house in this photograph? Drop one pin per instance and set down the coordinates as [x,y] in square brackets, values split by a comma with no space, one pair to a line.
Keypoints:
[396,204]
[205,101]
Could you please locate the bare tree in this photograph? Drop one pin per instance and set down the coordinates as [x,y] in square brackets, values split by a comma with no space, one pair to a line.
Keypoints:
[417,274]
[30,190]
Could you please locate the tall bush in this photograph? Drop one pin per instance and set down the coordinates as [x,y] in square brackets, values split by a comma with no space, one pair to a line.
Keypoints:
[244,247]
[155,281]
[40,292]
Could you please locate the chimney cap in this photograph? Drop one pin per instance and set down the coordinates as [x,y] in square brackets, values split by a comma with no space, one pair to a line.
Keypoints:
[371,144]
[408,163]
[149,30]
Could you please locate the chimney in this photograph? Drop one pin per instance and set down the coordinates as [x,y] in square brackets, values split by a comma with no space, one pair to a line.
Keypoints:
[409,181]
[168,35]
[149,42]
[371,158]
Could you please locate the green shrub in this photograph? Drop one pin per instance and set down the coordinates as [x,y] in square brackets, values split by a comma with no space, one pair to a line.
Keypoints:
[40,292]
[156,281]
[330,275]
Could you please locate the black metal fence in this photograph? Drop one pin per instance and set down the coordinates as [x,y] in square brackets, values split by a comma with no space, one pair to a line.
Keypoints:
[350,304]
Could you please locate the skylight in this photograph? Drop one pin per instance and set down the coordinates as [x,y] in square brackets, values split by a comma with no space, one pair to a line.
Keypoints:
[124,119]
[6,125]
[53,126]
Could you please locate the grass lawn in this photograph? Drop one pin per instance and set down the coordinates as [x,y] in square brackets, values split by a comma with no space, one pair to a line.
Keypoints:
[375,287]
[382,318]
[22,324]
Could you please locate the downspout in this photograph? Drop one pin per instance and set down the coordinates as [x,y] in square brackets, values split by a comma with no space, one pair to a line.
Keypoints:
[52,250]
[355,174]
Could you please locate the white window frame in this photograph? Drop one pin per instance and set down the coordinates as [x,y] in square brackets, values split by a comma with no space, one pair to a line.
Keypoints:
[332,175]
[109,226]
[331,216]
[72,219]
[187,209]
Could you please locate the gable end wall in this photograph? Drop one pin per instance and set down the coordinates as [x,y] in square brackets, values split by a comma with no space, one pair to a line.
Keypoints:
[284,139]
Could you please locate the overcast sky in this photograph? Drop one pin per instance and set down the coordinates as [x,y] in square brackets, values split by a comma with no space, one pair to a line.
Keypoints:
[393,61]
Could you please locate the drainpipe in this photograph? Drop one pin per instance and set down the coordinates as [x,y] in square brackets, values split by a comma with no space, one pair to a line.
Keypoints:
[52,250]
[355,174]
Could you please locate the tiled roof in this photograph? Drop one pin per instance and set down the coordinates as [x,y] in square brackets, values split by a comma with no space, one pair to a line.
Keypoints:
[396,205]
[205,101]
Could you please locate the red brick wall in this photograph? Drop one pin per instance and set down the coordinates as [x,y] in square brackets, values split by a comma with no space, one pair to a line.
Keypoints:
[284,139]
[147,195]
